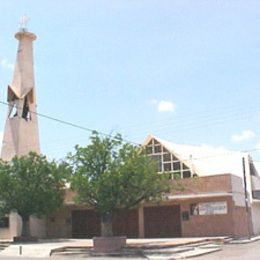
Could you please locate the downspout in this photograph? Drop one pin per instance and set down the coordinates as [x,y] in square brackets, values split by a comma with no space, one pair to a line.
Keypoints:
[246,197]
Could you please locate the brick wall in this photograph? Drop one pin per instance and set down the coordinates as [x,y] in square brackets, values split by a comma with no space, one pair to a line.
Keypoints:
[234,223]
[216,183]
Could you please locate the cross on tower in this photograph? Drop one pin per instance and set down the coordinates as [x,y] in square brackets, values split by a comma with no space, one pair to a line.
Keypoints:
[23,22]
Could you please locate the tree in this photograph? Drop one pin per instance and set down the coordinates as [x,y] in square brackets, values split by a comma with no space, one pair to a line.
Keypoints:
[32,186]
[111,175]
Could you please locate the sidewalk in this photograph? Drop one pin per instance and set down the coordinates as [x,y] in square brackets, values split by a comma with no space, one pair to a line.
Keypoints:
[245,240]
[153,249]
[138,248]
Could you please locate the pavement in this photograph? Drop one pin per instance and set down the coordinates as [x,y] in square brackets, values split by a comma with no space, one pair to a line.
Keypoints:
[153,249]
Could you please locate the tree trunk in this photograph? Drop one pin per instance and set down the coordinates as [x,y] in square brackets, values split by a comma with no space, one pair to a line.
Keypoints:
[26,226]
[106,224]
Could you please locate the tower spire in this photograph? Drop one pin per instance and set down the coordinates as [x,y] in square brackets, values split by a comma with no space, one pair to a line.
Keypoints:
[21,128]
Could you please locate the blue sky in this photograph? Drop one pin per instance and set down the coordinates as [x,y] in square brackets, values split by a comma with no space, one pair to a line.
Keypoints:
[186,71]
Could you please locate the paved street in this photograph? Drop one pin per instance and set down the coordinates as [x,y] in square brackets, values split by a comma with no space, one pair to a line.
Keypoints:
[231,252]
[65,258]
[20,258]
[235,252]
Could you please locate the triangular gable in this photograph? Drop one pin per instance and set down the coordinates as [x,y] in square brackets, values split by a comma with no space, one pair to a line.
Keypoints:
[167,159]
[206,160]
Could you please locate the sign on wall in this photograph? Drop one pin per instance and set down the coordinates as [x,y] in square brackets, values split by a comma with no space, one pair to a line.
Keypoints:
[213,208]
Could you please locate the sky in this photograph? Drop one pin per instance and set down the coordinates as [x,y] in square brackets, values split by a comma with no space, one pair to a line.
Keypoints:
[186,71]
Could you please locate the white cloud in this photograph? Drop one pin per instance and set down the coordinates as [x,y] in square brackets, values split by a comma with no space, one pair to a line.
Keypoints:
[163,105]
[244,135]
[6,64]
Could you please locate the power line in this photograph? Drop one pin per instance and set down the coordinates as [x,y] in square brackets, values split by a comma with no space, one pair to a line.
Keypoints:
[125,140]
[191,118]
[69,123]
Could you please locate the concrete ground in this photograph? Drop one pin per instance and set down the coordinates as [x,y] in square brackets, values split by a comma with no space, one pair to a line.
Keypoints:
[137,249]
[79,248]
[250,251]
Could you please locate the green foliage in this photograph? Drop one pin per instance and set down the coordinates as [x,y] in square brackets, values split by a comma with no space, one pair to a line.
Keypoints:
[31,185]
[110,175]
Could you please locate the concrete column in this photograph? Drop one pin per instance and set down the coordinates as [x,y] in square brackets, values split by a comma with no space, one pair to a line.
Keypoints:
[141,222]
[15,224]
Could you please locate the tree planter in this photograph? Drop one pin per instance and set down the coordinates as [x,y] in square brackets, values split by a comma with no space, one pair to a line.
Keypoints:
[108,244]
[25,239]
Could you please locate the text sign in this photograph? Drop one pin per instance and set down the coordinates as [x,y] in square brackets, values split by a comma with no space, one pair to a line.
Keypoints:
[213,208]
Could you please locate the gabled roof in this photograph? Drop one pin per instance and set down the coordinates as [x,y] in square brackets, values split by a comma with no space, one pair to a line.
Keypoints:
[206,160]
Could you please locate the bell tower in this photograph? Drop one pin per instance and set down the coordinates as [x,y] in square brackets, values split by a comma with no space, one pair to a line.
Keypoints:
[21,133]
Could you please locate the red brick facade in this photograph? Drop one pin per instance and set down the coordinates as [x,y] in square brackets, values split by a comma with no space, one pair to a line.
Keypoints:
[170,218]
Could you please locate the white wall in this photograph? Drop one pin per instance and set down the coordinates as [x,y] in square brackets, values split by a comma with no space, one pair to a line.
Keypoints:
[256,217]
[15,225]
[38,227]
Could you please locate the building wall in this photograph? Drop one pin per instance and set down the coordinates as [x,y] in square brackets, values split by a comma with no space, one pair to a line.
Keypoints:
[199,185]
[59,224]
[14,229]
[38,227]
[235,223]
[207,225]
[242,222]
[256,217]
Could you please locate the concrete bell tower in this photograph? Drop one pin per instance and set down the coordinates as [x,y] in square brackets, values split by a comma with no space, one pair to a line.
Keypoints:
[21,133]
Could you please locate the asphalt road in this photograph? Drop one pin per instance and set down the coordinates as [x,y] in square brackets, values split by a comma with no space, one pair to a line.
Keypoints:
[65,258]
[249,251]
[20,258]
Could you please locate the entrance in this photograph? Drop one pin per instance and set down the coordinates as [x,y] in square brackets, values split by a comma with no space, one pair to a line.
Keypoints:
[162,221]
[86,224]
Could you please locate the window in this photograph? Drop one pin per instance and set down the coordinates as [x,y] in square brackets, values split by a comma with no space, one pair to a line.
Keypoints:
[167,161]
[185,167]
[158,149]
[176,175]
[176,166]
[174,158]
[185,215]
[194,209]
[167,157]
[256,194]
[167,167]
[158,160]
[149,149]
[4,222]
[165,150]
[155,141]
[186,174]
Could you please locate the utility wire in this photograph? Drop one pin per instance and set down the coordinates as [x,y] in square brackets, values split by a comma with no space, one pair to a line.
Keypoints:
[191,118]
[125,140]
[69,123]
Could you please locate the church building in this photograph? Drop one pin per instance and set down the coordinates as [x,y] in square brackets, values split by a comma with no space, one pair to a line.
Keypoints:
[216,193]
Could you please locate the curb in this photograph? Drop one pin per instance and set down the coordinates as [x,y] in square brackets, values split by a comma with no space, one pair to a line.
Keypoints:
[244,241]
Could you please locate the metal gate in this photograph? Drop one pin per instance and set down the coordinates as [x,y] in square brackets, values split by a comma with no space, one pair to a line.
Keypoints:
[162,221]
[86,224]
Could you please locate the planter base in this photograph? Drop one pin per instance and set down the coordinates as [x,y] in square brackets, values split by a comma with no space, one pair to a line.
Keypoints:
[22,239]
[108,244]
